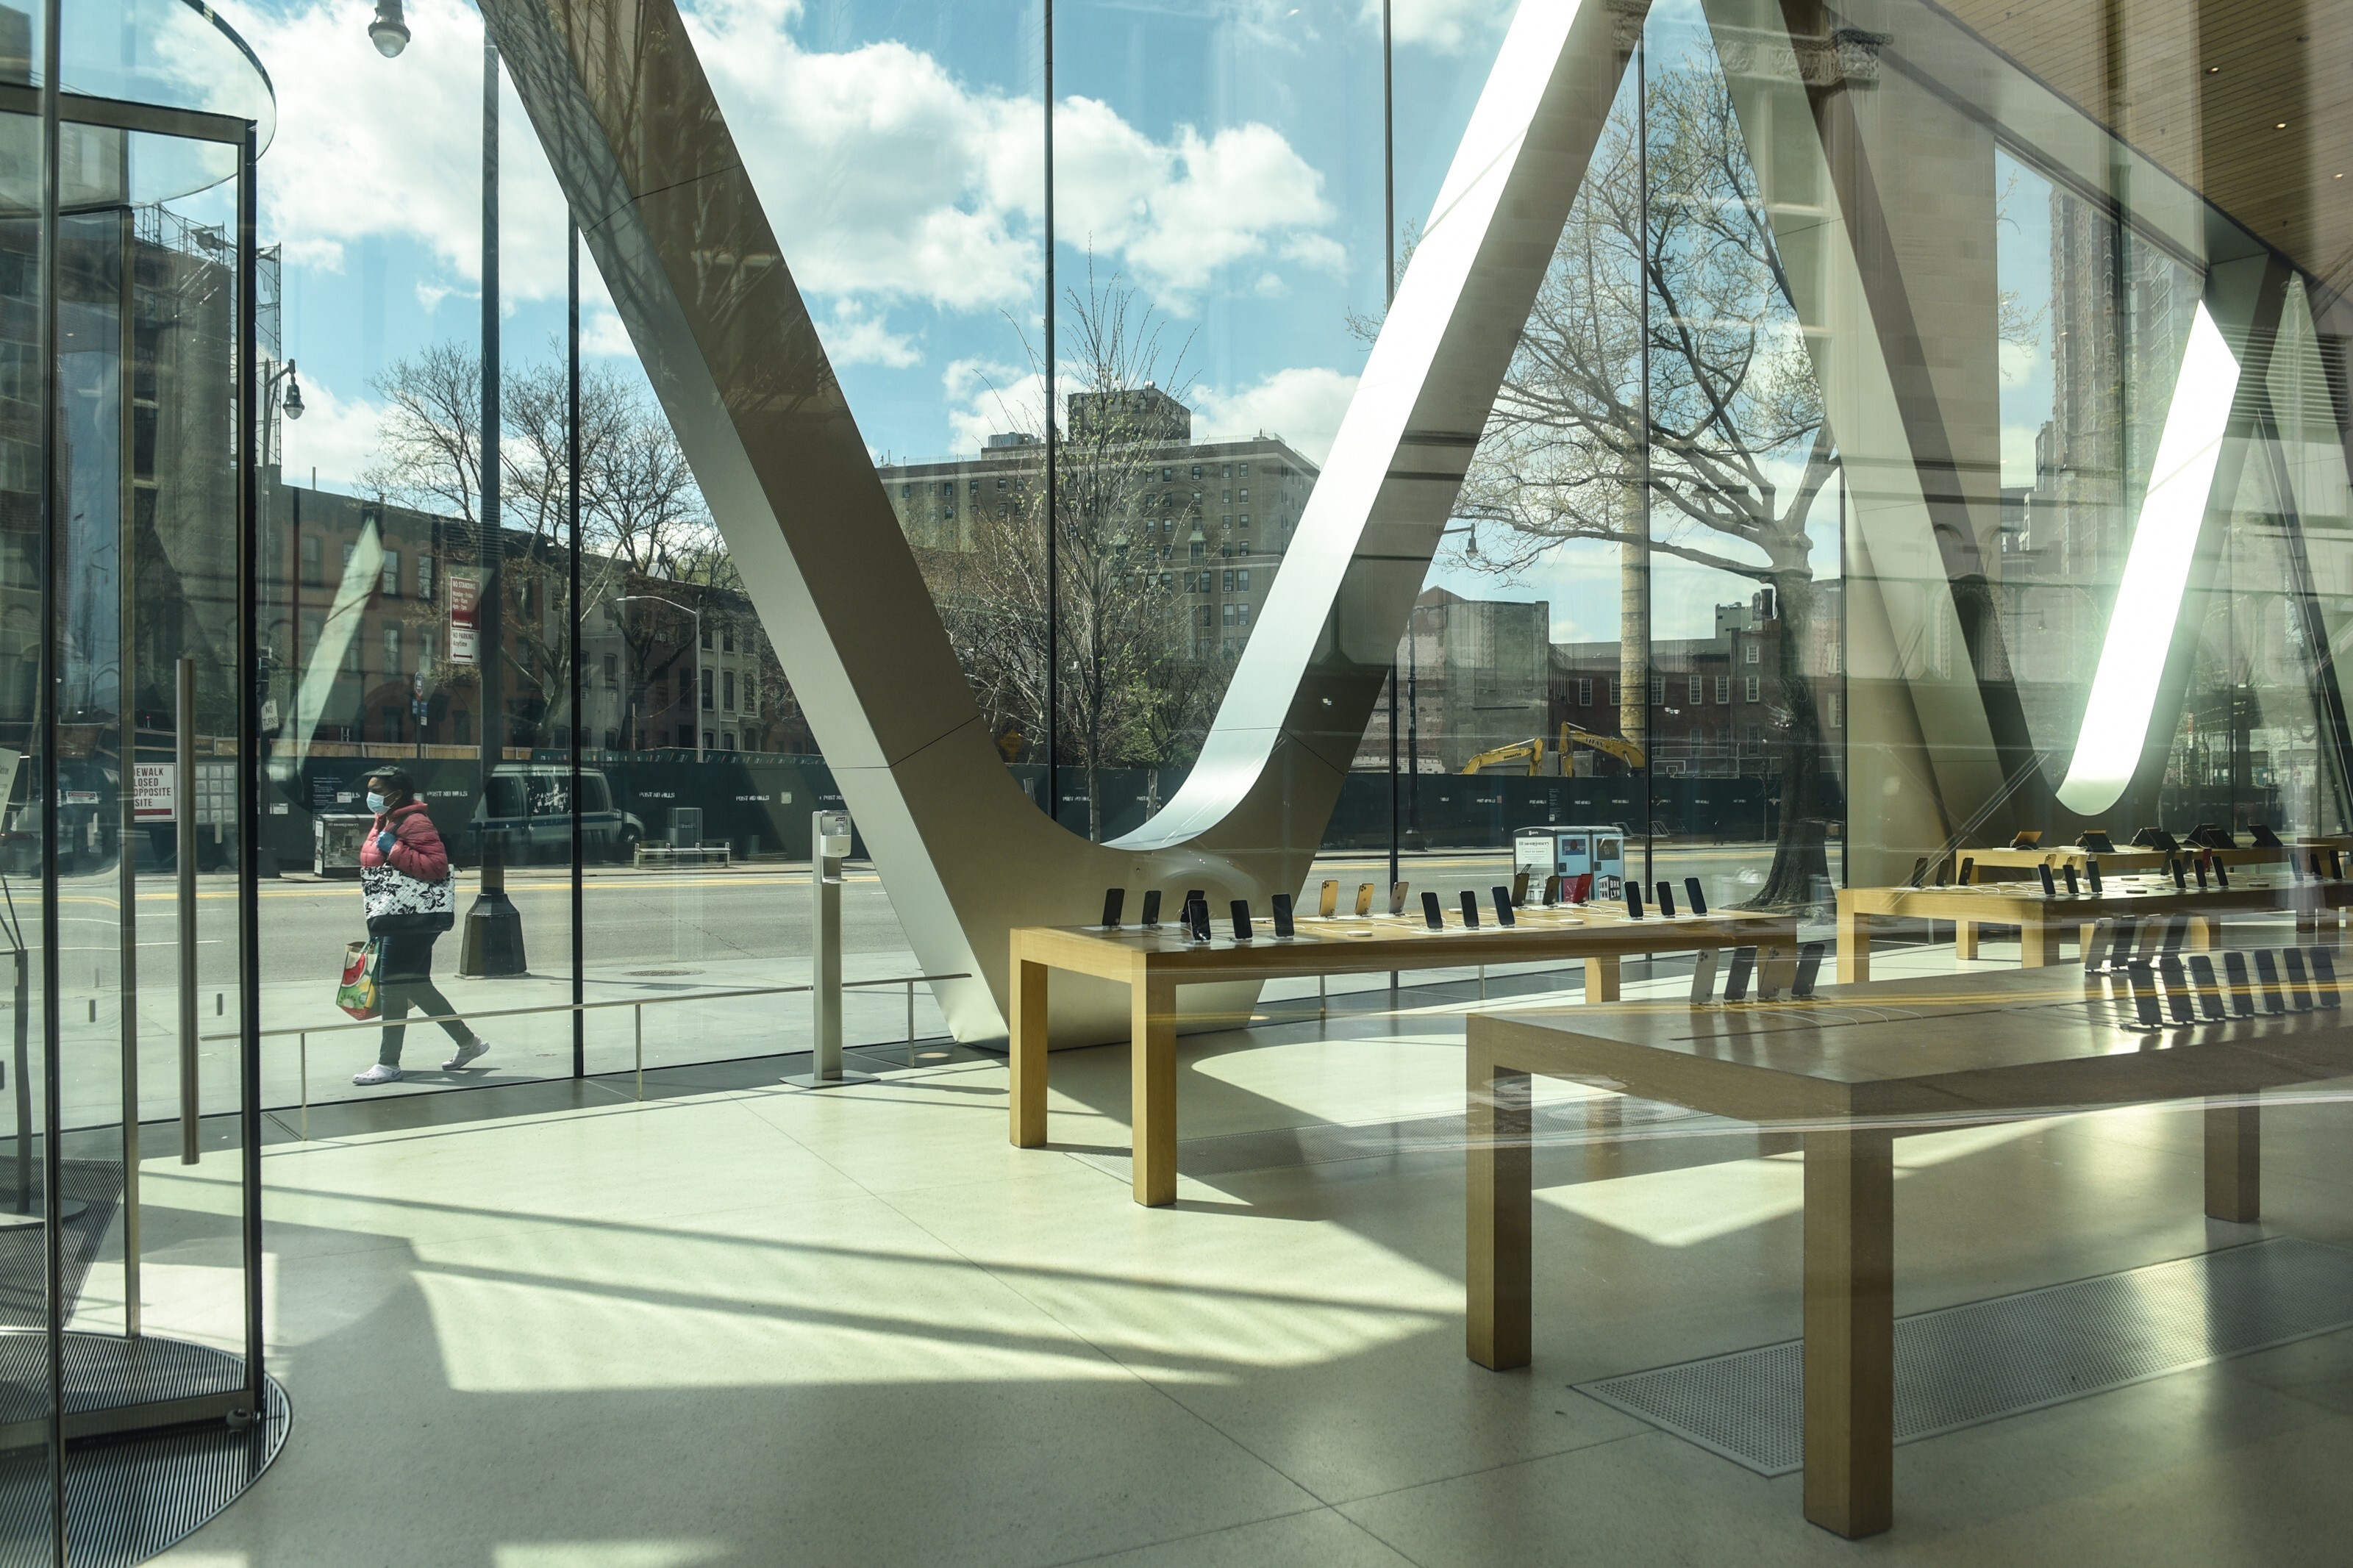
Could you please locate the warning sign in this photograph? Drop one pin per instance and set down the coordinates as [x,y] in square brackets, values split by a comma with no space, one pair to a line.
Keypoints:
[464,594]
[151,791]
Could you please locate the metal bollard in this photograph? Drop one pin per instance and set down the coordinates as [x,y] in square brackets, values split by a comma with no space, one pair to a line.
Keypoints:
[829,840]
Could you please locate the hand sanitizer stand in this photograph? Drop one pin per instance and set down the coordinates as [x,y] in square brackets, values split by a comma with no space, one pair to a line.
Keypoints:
[828,847]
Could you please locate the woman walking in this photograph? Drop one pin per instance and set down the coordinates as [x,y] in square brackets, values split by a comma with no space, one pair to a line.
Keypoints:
[411,900]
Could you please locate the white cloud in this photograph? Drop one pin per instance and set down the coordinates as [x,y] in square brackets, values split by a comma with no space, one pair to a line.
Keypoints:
[601,332]
[336,435]
[1445,26]
[1303,405]
[890,178]
[855,337]
[987,398]
[369,146]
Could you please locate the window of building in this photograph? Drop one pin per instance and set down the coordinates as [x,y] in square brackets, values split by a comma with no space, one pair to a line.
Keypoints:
[727,740]
[389,585]
[1001,482]
[1723,688]
[425,659]
[1243,577]
[1748,653]
[424,576]
[709,689]
[1585,692]
[392,723]
[1196,470]
[1228,616]
[1208,616]
[612,740]
[1245,470]
[348,548]
[1230,582]
[1658,690]
[975,487]
[352,655]
[392,647]
[1165,475]
[1698,688]
[1241,614]
[907,492]
[612,670]
[1245,520]
[727,689]
[1200,549]
[1830,709]
[727,637]
[1756,735]
[311,559]
[1754,688]
[1226,547]
[706,638]
[1246,495]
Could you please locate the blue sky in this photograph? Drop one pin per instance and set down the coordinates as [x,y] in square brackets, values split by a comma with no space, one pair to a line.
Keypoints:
[1223,157]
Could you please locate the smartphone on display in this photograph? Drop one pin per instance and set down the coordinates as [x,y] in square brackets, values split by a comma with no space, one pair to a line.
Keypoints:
[2073,887]
[1113,899]
[1364,899]
[1503,906]
[2221,876]
[1151,907]
[2091,871]
[1396,897]
[1241,908]
[1635,900]
[1470,910]
[1551,892]
[2050,888]
[1968,870]
[1736,983]
[1667,900]
[2267,973]
[1809,969]
[1196,915]
[1431,915]
[1327,901]
[1281,903]
[1690,891]
[2243,996]
[2176,989]
[2210,990]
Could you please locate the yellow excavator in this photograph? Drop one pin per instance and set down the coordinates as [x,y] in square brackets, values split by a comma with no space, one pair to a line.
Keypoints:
[1532,752]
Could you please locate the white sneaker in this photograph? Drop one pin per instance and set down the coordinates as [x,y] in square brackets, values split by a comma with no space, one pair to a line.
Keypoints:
[376,1075]
[466,1054]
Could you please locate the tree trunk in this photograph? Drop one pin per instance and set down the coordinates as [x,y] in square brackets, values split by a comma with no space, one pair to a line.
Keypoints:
[1800,855]
[1634,625]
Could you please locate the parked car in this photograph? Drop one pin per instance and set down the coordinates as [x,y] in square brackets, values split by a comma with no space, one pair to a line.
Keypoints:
[528,809]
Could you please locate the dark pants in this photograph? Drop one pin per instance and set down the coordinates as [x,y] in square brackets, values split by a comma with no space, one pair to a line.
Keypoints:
[403,978]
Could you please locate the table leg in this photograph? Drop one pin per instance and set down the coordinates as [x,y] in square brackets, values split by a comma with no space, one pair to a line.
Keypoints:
[1605,1122]
[2038,942]
[1965,938]
[1026,1055]
[1850,1354]
[2235,1188]
[2205,933]
[1601,978]
[1497,1201]
[1853,945]
[1152,1089]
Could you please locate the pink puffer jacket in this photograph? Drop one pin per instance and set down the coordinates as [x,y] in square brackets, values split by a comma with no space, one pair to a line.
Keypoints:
[416,849]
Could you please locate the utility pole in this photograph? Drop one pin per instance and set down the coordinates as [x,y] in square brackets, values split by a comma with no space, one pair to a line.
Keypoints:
[493,944]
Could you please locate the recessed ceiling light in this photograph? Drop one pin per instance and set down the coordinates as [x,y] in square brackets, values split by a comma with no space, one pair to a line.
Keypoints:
[2211,70]
[2281,126]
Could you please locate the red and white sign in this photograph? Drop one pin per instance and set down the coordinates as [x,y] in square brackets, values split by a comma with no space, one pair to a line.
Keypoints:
[465,593]
[151,791]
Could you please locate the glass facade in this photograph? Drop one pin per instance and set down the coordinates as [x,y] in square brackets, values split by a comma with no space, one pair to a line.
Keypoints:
[1899,431]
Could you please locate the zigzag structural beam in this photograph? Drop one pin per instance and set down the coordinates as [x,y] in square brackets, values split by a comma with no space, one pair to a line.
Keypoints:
[622,103]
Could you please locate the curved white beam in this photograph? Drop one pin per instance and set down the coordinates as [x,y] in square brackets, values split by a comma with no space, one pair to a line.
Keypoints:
[2109,744]
[638,142]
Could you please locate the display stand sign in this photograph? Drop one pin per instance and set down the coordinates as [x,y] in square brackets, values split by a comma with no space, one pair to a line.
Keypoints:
[465,593]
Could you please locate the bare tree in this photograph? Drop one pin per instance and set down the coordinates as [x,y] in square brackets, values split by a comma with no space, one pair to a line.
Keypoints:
[643,524]
[1730,448]
[1131,680]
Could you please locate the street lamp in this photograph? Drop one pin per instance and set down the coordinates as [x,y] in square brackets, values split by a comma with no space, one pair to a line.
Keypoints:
[389,31]
[292,406]
[694,704]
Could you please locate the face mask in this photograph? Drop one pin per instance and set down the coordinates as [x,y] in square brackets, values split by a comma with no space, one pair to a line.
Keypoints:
[376,802]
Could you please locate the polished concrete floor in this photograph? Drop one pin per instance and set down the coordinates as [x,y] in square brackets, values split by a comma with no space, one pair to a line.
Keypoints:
[737,1324]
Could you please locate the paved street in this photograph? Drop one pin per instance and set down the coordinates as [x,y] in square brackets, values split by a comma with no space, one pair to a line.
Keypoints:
[658,937]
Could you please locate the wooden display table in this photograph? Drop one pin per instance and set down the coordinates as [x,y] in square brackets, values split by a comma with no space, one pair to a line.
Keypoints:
[1153,961]
[2044,922]
[1908,1057]
[2013,863]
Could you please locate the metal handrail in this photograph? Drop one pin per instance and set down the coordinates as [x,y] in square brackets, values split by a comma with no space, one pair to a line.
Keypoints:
[582,1007]
[302,1034]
